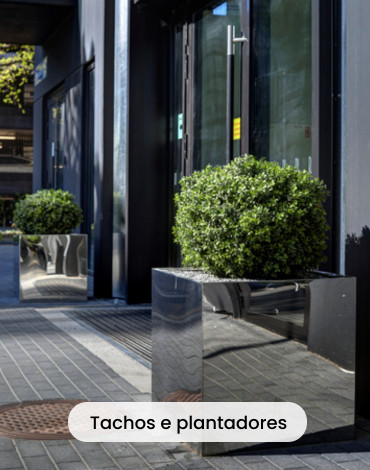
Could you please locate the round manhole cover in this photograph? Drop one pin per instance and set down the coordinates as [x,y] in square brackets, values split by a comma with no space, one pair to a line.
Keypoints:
[44,419]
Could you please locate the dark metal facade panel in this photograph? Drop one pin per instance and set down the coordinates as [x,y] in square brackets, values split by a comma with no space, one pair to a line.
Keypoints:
[147,176]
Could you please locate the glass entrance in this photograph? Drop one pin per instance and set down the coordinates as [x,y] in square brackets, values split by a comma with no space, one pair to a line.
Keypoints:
[199,124]
[53,177]
[89,173]
[276,103]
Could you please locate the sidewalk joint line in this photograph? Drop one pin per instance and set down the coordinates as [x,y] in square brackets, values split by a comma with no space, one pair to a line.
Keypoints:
[19,454]
[49,455]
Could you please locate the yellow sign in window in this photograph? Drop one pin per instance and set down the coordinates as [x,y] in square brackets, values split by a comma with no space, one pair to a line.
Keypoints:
[236,129]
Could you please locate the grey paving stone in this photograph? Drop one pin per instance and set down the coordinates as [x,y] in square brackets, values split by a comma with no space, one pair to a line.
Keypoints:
[57,442]
[63,453]
[196,465]
[340,457]
[260,466]
[250,458]
[283,461]
[38,463]
[300,468]
[141,397]
[72,466]
[49,395]
[318,462]
[9,460]
[6,398]
[30,448]
[26,395]
[167,466]
[83,447]
[131,463]
[365,456]
[225,463]
[96,458]
[109,387]
[355,465]
[153,453]
[118,449]
[125,385]
[98,397]
[117,395]
[6,444]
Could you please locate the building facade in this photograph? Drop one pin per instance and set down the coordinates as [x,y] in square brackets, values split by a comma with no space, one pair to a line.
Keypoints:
[131,95]
[16,153]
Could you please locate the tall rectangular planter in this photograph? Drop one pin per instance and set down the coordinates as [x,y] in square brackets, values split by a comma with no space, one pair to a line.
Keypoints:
[53,268]
[222,340]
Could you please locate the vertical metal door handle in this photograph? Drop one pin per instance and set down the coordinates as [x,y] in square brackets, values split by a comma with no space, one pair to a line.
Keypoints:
[231,41]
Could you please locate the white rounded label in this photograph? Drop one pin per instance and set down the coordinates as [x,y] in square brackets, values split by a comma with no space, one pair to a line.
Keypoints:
[187,422]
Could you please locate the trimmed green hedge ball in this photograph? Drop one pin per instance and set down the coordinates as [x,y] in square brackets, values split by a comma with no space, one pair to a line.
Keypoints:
[47,211]
[251,218]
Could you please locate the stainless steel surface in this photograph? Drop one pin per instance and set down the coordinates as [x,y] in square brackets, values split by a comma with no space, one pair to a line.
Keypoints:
[230,39]
[241,39]
[250,341]
[53,267]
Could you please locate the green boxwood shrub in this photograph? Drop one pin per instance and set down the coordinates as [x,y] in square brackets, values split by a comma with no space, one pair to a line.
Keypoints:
[47,211]
[251,218]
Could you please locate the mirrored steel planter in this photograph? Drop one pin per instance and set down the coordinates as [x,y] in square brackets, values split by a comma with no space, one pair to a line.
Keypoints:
[53,268]
[244,340]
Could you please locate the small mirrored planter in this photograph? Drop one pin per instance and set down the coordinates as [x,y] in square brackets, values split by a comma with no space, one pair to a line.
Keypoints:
[52,268]
[224,340]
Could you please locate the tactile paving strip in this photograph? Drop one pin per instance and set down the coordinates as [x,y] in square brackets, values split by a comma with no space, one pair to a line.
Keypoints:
[39,420]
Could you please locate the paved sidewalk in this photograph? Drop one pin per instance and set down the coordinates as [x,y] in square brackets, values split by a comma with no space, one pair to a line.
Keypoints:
[45,354]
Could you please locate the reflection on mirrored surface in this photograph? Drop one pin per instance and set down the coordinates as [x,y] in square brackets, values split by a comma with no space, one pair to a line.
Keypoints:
[53,267]
[257,341]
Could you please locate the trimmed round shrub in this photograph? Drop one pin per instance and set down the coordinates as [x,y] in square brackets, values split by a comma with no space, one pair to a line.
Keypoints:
[251,218]
[47,211]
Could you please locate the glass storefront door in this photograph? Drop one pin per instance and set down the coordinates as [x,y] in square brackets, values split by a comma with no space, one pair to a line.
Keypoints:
[271,86]
[276,104]
[199,124]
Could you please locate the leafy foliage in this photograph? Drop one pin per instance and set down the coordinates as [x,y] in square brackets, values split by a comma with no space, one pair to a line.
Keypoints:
[251,218]
[47,211]
[16,69]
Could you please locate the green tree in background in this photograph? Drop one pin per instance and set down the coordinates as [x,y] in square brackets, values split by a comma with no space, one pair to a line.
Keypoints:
[16,69]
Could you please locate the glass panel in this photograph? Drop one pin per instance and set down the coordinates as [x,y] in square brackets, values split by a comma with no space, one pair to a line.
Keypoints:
[209,144]
[281,82]
[90,165]
[55,141]
[122,16]
[177,128]
[177,122]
